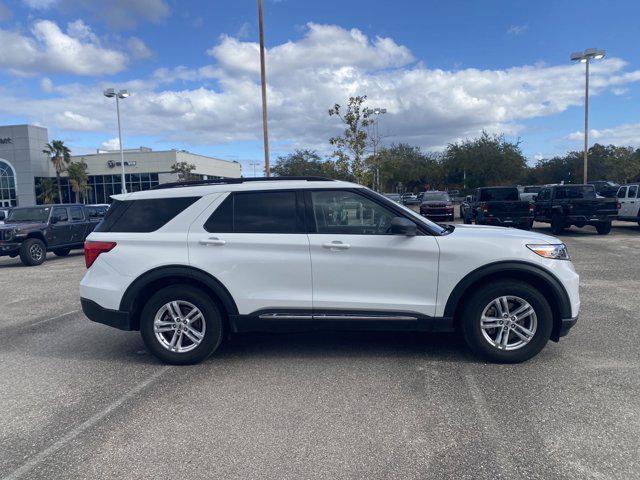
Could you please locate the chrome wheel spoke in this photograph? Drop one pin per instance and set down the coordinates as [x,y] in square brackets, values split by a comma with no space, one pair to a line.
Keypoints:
[177,331]
[508,322]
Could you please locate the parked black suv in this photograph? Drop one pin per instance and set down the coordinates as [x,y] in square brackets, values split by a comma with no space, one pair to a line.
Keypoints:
[566,205]
[499,206]
[32,231]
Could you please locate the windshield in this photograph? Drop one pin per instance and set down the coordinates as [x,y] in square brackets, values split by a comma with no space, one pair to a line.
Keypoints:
[499,194]
[34,214]
[419,218]
[436,197]
[532,189]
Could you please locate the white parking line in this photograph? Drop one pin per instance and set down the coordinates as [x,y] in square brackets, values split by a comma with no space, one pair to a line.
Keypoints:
[54,318]
[92,421]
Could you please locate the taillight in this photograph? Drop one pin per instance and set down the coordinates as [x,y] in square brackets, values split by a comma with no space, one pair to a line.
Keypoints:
[93,249]
[531,208]
[485,209]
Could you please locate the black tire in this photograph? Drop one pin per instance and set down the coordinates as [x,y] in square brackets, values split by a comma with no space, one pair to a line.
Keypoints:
[212,318]
[33,252]
[467,220]
[482,297]
[527,225]
[557,224]
[62,252]
[603,228]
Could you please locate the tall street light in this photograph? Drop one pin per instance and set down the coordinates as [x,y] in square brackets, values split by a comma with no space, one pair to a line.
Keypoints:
[265,131]
[377,111]
[110,93]
[586,57]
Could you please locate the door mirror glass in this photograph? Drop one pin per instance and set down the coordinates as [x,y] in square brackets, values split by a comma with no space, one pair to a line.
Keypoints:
[403,226]
[54,219]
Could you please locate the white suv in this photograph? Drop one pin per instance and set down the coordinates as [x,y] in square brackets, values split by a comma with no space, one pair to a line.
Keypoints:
[186,265]
[629,200]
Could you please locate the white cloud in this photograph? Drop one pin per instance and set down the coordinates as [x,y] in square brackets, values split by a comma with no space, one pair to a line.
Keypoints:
[46,85]
[138,49]
[426,106]
[111,144]
[626,134]
[244,31]
[517,29]
[52,50]
[69,120]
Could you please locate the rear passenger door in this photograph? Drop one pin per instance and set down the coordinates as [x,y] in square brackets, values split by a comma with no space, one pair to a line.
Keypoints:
[61,229]
[256,245]
[78,225]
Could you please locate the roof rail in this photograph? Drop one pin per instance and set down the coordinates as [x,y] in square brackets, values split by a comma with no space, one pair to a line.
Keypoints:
[225,181]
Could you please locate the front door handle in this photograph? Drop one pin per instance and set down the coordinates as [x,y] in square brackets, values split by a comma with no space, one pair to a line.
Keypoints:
[336,245]
[212,241]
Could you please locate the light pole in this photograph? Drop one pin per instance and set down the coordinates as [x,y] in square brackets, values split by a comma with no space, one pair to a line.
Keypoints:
[254,165]
[265,131]
[110,93]
[586,57]
[377,111]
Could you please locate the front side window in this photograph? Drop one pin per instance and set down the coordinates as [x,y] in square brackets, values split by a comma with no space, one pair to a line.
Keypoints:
[256,212]
[622,193]
[349,213]
[61,214]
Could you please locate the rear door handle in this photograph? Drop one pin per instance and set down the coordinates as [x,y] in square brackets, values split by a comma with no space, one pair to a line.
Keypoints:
[336,245]
[212,241]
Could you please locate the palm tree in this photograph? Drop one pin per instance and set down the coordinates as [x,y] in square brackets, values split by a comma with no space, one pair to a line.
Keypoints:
[78,179]
[47,190]
[60,157]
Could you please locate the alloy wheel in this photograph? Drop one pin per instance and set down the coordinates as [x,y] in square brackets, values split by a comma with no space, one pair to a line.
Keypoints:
[179,326]
[508,322]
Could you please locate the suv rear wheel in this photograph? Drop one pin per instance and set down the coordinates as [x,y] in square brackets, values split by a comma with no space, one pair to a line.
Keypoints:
[603,228]
[507,321]
[33,252]
[181,325]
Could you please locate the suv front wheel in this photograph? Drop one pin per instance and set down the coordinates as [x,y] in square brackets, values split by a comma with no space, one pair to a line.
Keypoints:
[507,321]
[181,325]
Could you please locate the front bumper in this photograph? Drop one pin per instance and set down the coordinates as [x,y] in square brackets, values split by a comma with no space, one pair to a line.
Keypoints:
[113,318]
[9,248]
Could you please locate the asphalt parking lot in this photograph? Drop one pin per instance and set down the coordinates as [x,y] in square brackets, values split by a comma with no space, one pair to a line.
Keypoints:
[81,400]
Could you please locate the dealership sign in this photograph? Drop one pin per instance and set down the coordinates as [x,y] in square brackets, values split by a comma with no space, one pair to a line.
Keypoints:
[112,164]
[4,141]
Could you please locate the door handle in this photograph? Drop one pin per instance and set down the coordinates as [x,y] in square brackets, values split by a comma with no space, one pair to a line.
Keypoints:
[212,241]
[336,245]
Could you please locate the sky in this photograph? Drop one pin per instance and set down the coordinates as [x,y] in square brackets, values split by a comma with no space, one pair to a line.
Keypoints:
[445,71]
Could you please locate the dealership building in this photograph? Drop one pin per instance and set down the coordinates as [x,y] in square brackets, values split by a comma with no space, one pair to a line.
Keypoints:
[23,166]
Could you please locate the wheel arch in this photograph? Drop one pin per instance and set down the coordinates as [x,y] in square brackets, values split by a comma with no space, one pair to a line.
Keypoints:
[39,236]
[541,279]
[144,286]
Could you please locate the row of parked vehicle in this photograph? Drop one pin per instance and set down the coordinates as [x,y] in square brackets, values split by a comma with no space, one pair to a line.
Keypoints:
[595,204]
[31,232]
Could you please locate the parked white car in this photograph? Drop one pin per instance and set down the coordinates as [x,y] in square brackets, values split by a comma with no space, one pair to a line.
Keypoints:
[188,264]
[629,199]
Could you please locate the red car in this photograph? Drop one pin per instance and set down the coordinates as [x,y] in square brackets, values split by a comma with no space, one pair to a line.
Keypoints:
[437,206]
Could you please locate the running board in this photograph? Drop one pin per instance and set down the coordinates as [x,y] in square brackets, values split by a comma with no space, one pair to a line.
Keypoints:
[287,316]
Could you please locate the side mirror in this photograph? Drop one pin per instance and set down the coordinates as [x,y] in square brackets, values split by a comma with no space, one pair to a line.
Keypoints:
[54,219]
[403,226]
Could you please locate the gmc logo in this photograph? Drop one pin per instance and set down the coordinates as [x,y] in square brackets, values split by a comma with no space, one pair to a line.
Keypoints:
[4,141]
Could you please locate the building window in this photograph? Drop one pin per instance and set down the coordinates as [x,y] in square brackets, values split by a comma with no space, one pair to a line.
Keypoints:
[7,185]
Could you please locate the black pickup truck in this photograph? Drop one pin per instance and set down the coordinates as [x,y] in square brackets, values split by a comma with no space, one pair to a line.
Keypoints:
[499,206]
[31,232]
[566,205]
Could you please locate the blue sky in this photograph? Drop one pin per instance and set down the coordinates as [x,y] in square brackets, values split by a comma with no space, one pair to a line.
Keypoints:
[444,71]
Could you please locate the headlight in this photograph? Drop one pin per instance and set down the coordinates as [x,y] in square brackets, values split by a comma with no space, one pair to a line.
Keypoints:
[9,235]
[557,252]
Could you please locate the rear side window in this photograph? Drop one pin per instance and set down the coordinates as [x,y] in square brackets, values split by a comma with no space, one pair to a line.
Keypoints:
[633,191]
[139,216]
[499,194]
[256,212]
[575,192]
[76,213]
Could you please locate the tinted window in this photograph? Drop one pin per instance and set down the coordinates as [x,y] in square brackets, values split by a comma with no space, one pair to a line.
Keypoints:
[349,213]
[633,191]
[436,197]
[142,215]
[221,220]
[499,194]
[532,189]
[265,212]
[61,213]
[622,192]
[95,212]
[76,213]
[575,192]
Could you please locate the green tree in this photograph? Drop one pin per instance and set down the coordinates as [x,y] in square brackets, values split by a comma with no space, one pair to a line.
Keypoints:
[79,180]
[60,156]
[407,166]
[303,163]
[489,160]
[47,191]
[350,147]
[184,170]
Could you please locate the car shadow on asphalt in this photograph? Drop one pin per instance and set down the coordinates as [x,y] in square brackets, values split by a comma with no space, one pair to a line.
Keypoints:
[8,262]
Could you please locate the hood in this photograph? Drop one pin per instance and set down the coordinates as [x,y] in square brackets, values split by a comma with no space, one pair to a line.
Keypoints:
[21,226]
[497,233]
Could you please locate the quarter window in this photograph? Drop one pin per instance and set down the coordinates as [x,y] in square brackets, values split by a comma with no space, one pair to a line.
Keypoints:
[141,216]
[349,213]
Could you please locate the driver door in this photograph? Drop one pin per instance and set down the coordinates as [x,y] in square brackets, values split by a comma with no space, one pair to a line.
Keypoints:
[358,266]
